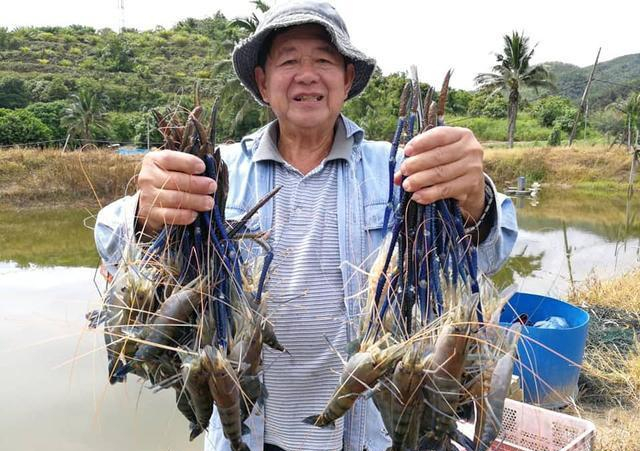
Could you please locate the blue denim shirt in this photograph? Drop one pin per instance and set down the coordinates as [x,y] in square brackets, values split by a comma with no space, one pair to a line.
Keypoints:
[362,197]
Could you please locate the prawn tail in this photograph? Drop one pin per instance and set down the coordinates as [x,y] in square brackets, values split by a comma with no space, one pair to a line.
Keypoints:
[196,430]
[120,374]
[316,420]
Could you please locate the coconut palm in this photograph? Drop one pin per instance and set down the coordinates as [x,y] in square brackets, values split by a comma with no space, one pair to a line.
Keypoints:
[512,73]
[233,95]
[251,23]
[85,113]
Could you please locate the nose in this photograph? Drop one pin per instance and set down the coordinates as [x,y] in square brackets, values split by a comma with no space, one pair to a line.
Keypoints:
[307,72]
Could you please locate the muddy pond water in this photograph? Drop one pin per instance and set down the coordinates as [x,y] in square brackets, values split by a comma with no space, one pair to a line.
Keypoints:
[53,383]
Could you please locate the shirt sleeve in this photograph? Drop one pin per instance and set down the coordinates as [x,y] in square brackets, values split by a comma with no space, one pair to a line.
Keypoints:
[496,247]
[115,227]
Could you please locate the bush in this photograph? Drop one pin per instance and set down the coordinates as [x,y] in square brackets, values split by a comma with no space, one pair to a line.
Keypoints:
[554,137]
[609,122]
[122,126]
[47,89]
[458,102]
[7,42]
[116,55]
[554,111]
[13,93]
[180,39]
[21,127]
[484,104]
[50,114]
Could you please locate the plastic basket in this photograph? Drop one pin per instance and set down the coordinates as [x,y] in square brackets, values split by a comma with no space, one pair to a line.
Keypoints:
[530,428]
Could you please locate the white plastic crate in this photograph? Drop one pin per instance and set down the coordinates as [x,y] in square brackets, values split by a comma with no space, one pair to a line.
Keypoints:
[530,428]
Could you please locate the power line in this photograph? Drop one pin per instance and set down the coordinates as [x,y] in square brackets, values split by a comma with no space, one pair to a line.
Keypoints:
[618,84]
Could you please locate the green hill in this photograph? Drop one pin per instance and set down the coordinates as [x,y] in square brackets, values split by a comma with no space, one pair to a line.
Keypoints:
[613,79]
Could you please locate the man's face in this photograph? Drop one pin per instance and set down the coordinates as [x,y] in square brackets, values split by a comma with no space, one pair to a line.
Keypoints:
[305,80]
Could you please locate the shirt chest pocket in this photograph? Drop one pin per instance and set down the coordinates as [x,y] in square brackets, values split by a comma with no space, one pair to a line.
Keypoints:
[373,222]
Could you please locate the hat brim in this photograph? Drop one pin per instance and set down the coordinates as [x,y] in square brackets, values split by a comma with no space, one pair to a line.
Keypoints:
[245,53]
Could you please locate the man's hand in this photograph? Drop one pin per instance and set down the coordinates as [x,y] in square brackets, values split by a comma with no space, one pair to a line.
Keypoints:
[171,192]
[442,163]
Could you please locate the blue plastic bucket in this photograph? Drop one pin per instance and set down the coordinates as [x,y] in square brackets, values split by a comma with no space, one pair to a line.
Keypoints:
[548,359]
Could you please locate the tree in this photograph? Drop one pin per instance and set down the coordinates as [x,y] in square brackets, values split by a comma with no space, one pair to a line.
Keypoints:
[554,111]
[251,23]
[630,108]
[248,115]
[85,114]
[50,114]
[116,55]
[22,127]
[512,73]
[13,93]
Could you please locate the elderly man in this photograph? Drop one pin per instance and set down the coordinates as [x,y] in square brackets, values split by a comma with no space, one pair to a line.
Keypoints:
[325,221]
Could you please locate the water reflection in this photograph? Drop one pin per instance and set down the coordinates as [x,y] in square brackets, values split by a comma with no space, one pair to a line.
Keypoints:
[566,236]
[53,374]
[54,237]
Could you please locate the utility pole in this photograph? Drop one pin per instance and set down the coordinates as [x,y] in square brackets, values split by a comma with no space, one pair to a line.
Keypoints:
[121,8]
[583,101]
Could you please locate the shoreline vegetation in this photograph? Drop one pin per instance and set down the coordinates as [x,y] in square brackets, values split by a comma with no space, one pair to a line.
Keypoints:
[34,178]
[610,377]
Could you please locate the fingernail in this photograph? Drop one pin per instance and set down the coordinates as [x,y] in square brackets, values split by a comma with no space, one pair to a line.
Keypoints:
[403,169]
[406,185]
[211,188]
[194,215]
[210,203]
[201,167]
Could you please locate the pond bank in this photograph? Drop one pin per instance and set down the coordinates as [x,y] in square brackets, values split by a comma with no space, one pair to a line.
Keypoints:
[37,178]
[610,379]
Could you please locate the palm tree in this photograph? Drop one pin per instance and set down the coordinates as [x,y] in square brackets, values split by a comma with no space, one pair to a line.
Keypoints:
[85,113]
[251,23]
[512,73]
[233,95]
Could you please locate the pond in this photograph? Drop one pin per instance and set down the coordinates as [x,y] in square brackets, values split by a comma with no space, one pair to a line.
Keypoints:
[53,369]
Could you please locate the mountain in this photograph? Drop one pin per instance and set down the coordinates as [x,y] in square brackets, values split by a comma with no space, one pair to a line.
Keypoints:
[613,79]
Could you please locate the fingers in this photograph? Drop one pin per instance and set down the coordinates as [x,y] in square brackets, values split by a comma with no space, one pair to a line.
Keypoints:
[170,190]
[444,163]
[171,160]
[459,188]
[159,217]
[175,171]
[435,138]
[425,176]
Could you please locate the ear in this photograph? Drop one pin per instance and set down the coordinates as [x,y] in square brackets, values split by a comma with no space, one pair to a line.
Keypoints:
[349,76]
[261,77]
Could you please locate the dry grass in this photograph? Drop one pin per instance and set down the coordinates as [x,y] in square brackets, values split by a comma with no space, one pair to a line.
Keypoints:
[610,379]
[561,166]
[38,177]
[32,177]
[617,429]
[611,369]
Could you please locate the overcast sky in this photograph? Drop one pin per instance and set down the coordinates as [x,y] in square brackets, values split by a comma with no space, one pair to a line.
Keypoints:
[432,35]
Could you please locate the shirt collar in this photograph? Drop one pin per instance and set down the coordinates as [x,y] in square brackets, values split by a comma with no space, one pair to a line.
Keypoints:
[345,135]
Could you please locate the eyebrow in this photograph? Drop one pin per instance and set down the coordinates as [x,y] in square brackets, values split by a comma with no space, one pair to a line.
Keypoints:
[327,48]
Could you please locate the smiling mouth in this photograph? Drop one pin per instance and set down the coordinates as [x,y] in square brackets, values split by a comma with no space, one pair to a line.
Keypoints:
[308,98]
